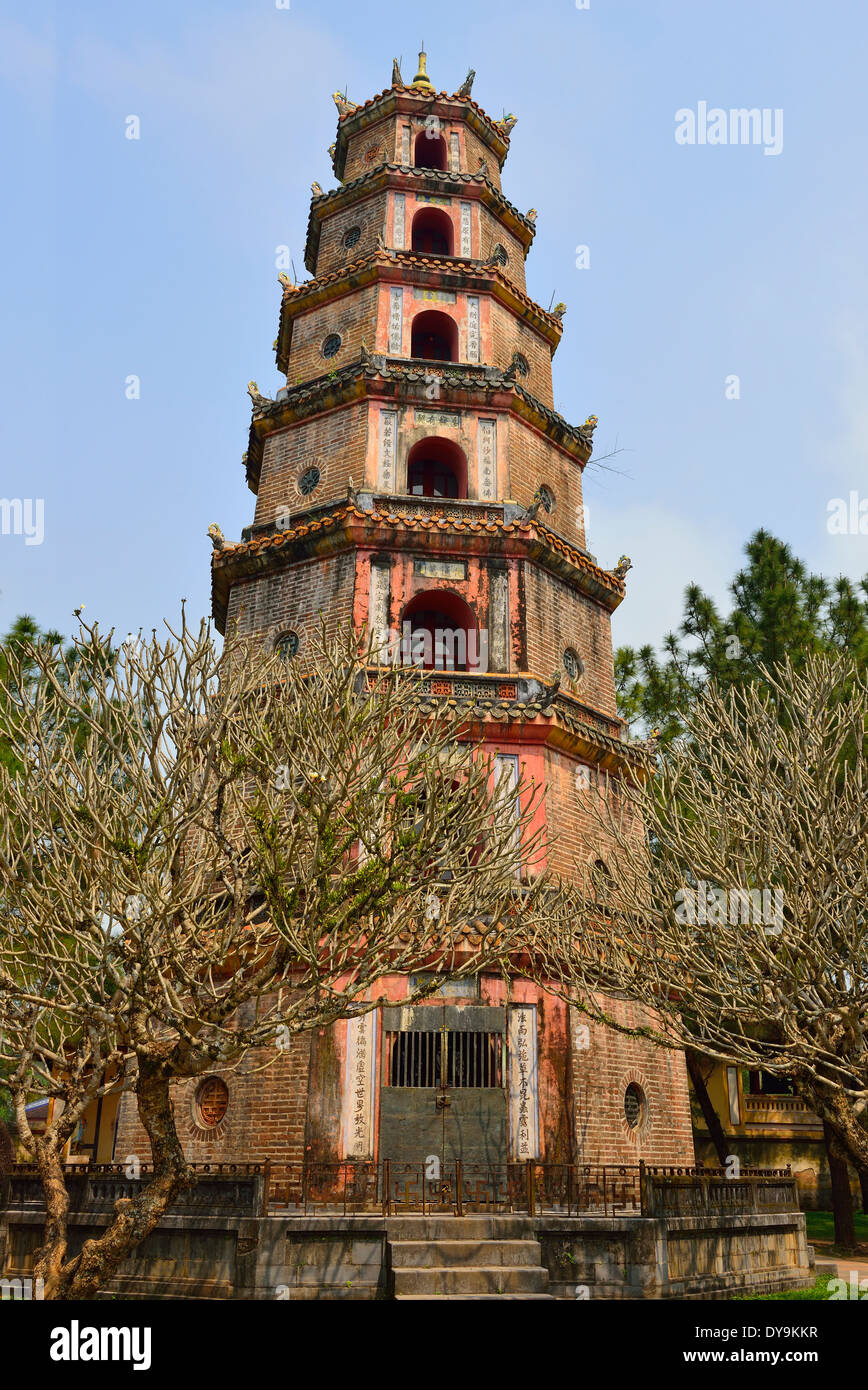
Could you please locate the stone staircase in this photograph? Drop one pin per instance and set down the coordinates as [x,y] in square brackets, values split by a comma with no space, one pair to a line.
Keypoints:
[465,1257]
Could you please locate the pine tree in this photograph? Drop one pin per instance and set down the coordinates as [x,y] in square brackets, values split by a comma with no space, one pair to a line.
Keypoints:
[779,609]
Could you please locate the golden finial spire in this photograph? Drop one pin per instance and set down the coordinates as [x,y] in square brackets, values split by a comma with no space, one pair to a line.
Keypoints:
[422,79]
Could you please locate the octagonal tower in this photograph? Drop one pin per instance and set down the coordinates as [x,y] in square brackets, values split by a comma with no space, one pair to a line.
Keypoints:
[414,476]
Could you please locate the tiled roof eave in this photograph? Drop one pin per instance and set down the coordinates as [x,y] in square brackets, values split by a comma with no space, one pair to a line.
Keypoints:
[471,274]
[347,525]
[362,377]
[405,98]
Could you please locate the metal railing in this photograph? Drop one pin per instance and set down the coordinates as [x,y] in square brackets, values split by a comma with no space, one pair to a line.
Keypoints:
[529,1188]
[458,1188]
[236,1188]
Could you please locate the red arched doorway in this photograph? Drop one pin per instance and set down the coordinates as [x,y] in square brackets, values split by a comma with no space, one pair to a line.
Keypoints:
[436,468]
[434,337]
[429,151]
[439,633]
[432,232]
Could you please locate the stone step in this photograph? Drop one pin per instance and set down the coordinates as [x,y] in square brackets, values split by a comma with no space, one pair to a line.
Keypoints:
[469,1297]
[478,1279]
[459,1228]
[442,1254]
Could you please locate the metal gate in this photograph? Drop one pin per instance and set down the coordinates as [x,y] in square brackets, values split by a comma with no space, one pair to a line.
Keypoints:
[443,1084]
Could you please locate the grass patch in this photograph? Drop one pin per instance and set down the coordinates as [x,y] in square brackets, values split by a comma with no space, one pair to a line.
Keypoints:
[818,1291]
[821,1226]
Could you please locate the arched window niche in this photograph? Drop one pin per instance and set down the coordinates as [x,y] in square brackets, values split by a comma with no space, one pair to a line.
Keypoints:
[432,233]
[429,150]
[439,633]
[436,468]
[434,337]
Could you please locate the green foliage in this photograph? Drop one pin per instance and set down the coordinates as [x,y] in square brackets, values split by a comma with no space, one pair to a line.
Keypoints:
[23,631]
[779,609]
[821,1225]
[817,1292]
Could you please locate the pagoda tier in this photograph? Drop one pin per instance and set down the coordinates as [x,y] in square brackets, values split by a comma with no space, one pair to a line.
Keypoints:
[413,473]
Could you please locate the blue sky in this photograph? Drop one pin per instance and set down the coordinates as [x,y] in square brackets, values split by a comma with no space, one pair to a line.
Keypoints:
[156,258]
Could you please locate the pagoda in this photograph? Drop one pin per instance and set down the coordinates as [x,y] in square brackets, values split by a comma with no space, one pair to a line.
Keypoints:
[414,477]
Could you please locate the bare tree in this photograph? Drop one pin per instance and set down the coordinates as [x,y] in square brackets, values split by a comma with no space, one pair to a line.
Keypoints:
[201,851]
[739,916]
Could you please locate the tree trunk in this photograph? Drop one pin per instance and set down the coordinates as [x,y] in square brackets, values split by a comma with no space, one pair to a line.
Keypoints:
[842,1197]
[48,1263]
[709,1114]
[836,1107]
[135,1217]
[863,1184]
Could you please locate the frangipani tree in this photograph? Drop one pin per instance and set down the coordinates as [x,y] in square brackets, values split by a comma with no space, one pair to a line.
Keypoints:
[200,851]
[740,916]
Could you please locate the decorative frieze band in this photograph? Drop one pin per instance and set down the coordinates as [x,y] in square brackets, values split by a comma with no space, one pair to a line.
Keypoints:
[398,221]
[386,459]
[473,328]
[523,1082]
[359,1086]
[487,432]
[466,233]
[396,320]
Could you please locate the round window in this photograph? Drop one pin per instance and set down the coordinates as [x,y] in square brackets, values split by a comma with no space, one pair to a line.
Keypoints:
[499,255]
[212,1100]
[309,481]
[286,644]
[573,664]
[332,345]
[522,366]
[352,236]
[634,1105]
[547,499]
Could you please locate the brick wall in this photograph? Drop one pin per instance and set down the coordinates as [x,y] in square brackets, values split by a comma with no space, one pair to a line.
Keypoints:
[295,598]
[335,442]
[371,147]
[533,460]
[474,150]
[557,616]
[574,836]
[508,335]
[492,231]
[265,1116]
[605,1063]
[369,215]
[353,316]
